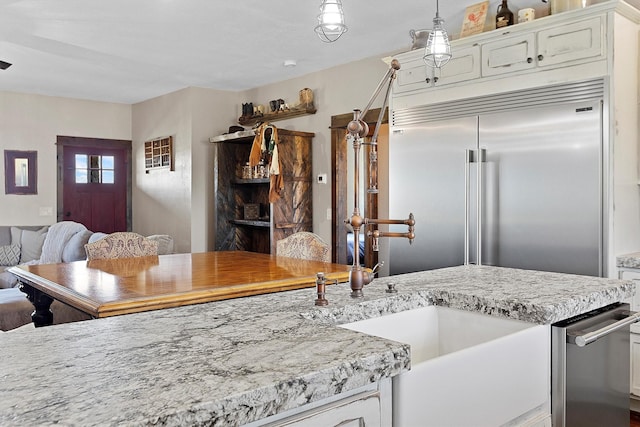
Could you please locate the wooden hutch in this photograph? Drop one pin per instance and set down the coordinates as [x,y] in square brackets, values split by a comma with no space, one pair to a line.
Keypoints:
[245,220]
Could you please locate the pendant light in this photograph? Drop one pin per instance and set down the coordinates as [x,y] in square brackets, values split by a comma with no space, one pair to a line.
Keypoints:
[438,50]
[330,21]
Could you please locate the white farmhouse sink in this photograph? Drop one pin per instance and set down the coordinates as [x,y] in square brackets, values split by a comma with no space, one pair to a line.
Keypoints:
[468,369]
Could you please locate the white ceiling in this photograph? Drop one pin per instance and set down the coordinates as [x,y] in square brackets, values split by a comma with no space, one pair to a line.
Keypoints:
[128,51]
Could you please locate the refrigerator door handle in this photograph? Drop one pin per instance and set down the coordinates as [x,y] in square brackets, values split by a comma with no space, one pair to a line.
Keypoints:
[468,159]
[482,156]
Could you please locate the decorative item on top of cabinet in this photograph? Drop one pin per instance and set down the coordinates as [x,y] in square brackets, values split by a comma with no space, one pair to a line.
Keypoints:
[277,109]
[475,16]
[504,17]
[236,198]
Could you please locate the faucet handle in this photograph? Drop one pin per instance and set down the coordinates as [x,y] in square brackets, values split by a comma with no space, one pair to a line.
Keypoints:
[377,267]
[320,289]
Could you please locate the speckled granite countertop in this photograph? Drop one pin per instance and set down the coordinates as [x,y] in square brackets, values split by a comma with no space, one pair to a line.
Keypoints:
[628,260]
[232,362]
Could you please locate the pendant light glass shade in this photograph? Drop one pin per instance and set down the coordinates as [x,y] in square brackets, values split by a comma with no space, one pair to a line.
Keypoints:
[438,50]
[330,21]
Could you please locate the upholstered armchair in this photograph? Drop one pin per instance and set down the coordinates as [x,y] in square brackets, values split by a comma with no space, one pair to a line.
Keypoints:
[304,245]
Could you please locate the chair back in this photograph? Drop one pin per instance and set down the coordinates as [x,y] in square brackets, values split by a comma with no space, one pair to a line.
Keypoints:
[304,245]
[121,245]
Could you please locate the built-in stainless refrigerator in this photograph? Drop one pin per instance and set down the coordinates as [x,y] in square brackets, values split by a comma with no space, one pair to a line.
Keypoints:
[512,184]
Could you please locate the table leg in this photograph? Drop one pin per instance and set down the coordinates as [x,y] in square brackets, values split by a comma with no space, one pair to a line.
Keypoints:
[42,316]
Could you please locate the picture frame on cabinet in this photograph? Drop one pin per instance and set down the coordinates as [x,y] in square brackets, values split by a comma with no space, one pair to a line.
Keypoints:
[475,17]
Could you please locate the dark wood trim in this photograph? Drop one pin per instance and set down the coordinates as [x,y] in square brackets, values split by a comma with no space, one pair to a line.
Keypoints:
[339,196]
[76,141]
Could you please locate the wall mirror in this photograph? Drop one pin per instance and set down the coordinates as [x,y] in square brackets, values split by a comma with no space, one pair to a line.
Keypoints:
[20,172]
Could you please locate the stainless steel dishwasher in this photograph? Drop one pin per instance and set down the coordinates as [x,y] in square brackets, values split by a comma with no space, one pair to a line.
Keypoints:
[590,368]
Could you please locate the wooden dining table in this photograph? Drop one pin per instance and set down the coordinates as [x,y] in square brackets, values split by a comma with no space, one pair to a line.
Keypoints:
[111,287]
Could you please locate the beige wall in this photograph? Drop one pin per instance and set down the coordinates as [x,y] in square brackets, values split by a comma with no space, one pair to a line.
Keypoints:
[179,202]
[336,91]
[32,122]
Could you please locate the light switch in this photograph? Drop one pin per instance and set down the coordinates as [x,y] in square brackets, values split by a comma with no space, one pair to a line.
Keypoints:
[46,211]
[322,178]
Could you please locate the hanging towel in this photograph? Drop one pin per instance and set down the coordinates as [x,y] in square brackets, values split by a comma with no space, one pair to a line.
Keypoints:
[260,146]
[276,184]
[265,145]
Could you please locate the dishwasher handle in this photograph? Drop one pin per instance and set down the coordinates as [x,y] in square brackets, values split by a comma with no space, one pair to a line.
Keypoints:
[584,339]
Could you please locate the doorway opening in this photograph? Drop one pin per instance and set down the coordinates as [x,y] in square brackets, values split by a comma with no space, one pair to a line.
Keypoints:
[94,183]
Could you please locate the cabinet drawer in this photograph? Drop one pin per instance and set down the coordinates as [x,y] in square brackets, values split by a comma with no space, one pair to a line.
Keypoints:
[357,411]
[571,42]
[508,55]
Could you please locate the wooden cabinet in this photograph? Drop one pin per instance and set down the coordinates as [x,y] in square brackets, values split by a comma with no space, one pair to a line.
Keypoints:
[239,200]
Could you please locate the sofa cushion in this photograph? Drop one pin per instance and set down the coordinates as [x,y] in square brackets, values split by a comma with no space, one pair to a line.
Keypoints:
[9,255]
[7,280]
[30,242]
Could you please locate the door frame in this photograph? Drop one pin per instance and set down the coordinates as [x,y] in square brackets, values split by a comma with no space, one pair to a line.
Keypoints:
[76,141]
[339,194]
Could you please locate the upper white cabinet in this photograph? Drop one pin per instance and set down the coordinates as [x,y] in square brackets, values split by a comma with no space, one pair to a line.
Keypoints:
[572,42]
[551,42]
[414,74]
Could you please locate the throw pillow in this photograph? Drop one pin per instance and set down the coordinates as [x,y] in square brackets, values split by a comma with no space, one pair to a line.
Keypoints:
[30,241]
[74,251]
[9,255]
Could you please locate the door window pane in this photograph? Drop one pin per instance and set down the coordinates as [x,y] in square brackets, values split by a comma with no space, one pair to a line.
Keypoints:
[95,169]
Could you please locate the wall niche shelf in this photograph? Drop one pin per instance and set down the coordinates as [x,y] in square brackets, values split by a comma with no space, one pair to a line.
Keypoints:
[278,115]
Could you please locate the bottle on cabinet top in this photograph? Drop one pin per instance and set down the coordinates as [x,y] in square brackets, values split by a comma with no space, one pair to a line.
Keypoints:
[504,17]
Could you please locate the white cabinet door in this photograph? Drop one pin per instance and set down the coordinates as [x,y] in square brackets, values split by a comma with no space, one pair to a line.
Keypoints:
[571,42]
[508,54]
[464,65]
[635,364]
[412,76]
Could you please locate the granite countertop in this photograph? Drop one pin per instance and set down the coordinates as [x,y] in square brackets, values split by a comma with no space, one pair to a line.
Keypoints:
[628,260]
[236,361]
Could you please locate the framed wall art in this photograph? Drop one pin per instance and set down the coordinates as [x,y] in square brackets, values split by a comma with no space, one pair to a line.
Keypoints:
[20,172]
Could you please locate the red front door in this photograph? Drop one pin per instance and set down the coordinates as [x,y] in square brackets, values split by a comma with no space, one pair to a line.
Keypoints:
[95,187]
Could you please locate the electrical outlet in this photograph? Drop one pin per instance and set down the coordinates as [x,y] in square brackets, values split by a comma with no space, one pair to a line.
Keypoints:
[322,178]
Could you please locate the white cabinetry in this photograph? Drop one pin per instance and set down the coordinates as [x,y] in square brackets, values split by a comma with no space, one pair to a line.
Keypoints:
[571,42]
[634,274]
[508,54]
[463,66]
[557,45]
[369,406]
[547,43]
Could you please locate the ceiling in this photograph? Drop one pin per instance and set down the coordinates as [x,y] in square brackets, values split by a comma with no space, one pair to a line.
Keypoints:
[128,51]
